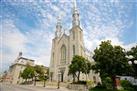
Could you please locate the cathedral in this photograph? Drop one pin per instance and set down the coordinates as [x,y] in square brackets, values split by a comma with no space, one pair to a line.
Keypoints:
[65,46]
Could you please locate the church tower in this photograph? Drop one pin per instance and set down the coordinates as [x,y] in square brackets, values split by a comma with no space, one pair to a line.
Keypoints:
[76,33]
[75,15]
[65,47]
[58,28]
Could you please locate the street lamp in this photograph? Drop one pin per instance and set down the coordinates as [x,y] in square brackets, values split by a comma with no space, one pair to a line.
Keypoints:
[45,78]
[132,61]
[35,75]
[58,81]
[135,61]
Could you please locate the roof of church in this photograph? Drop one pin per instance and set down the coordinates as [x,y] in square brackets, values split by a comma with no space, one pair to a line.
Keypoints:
[62,36]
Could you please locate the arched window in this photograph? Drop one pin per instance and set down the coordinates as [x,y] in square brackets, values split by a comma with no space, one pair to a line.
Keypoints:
[81,51]
[63,54]
[53,60]
[73,35]
[73,50]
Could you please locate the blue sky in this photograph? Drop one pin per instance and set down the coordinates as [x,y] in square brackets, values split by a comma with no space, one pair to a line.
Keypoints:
[29,25]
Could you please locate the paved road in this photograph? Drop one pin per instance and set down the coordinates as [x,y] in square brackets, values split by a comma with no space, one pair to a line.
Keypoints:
[9,87]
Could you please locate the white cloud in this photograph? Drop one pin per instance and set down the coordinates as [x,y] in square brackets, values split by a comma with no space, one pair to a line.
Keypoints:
[43,59]
[104,23]
[55,8]
[39,45]
[12,37]
[13,41]
[34,44]
[129,46]
[92,44]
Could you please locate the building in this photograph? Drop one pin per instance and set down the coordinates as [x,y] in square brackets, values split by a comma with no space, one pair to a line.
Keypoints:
[6,77]
[65,46]
[13,74]
[17,67]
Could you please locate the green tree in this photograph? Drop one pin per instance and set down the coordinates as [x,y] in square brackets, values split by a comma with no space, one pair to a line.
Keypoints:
[110,61]
[133,52]
[28,73]
[79,64]
[39,70]
[87,66]
[127,85]
[72,71]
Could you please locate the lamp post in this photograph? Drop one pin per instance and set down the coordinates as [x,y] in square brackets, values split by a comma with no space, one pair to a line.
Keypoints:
[35,80]
[35,76]
[58,81]
[132,61]
[45,78]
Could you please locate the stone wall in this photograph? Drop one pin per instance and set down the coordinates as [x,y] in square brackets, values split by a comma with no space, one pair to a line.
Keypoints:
[77,87]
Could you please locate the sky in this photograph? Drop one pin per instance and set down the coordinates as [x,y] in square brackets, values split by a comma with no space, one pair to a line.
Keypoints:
[29,26]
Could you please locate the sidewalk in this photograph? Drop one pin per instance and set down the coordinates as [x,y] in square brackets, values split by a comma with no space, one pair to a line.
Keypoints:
[54,88]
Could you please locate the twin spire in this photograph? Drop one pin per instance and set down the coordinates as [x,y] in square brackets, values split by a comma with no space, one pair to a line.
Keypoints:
[75,20]
[58,27]
[75,16]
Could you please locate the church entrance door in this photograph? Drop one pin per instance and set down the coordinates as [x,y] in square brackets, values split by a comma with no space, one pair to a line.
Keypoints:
[62,76]
[62,70]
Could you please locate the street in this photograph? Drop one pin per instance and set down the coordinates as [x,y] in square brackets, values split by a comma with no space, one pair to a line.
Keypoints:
[9,87]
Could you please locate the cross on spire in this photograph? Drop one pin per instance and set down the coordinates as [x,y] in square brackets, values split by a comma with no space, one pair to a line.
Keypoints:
[75,16]
[74,4]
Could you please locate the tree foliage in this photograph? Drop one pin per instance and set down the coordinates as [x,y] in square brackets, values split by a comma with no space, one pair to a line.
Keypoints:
[79,64]
[40,71]
[133,52]
[110,60]
[127,85]
[37,70]
[28,72]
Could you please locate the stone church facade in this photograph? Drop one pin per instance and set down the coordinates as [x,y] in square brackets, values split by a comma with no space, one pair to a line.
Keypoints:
[64,47]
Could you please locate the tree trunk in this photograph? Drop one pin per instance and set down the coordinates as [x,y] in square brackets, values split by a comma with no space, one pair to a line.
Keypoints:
[73,78]
[78,75]
[114,82]
[25,80]
[44,83]
[35,81]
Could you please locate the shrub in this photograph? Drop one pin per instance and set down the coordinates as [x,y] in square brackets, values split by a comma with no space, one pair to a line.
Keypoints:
[89,83]
[135,87]
[107,82]
[127,85]
[80,82]
[99,86]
